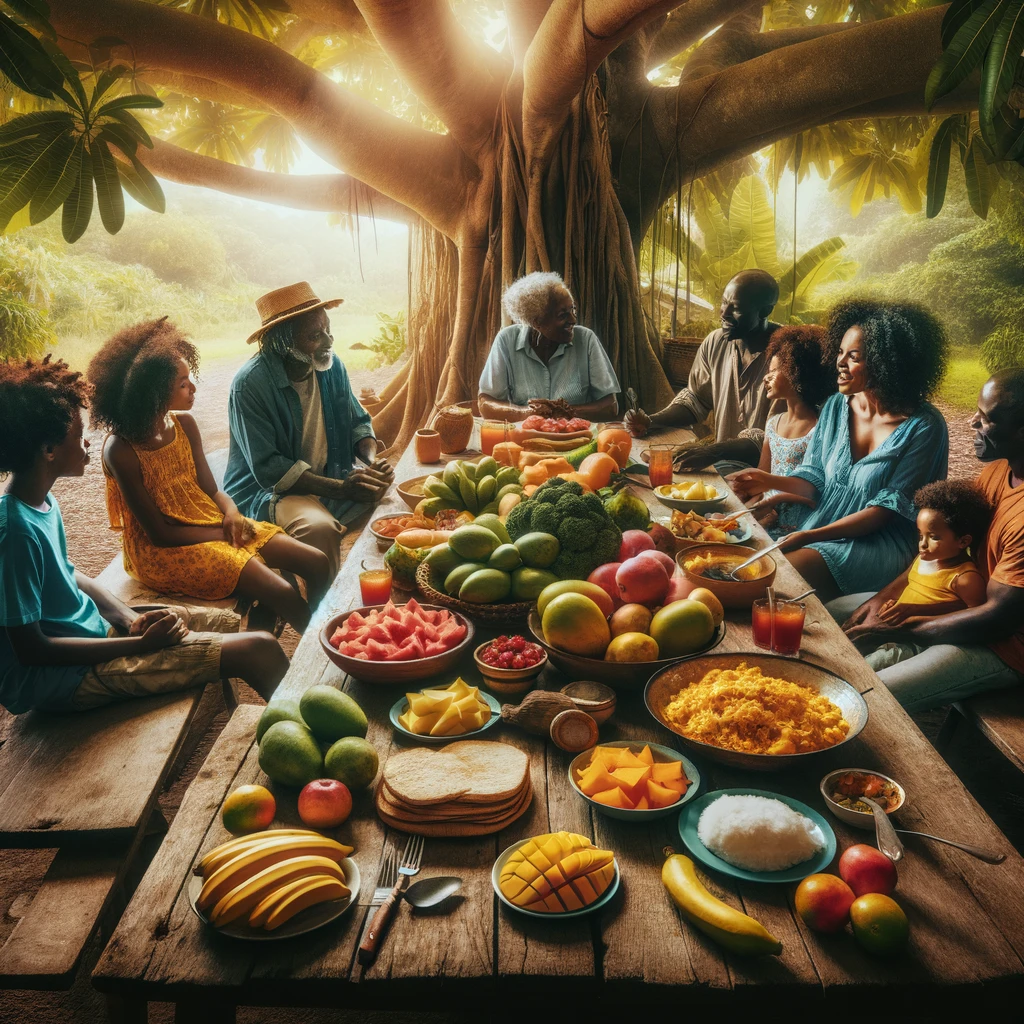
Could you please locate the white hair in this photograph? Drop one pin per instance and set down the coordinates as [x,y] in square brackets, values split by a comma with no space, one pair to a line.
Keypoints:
[528,299]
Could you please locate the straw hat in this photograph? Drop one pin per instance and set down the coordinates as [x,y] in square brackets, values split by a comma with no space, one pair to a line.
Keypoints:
[284,303]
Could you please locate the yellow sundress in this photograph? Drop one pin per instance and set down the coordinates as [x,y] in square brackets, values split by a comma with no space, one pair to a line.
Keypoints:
[208,571]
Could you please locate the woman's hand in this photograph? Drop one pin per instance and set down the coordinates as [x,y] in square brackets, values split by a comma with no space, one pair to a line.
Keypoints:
[637,422]
[236,529]
[796,539]
[747,483]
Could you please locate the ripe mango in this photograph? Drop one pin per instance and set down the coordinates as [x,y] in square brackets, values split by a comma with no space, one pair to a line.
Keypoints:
[556,872]
[473,542]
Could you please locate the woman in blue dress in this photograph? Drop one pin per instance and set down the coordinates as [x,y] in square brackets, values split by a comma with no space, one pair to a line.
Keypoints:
[876,442]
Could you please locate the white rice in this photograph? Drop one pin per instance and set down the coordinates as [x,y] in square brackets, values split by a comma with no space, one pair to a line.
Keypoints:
[757,833]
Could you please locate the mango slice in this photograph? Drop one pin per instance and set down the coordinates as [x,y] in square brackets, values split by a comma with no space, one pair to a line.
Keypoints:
[556,872]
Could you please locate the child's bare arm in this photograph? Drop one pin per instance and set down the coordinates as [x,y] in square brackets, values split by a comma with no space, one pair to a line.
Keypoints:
[970,588]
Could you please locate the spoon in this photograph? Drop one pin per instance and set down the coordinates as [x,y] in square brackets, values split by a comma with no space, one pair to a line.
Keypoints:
[989,856]
[428,892]
[888,842]
[800,597]
[757,556]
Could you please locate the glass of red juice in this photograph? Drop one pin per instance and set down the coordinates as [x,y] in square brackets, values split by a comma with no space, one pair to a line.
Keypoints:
[659,468]
[788,628]
[375,586]
[761,623]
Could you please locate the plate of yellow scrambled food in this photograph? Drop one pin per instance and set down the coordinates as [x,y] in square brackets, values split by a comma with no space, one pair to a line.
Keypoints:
[755,711]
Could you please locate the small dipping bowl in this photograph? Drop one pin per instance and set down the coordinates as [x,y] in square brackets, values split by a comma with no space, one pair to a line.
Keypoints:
[858,819]
[596,699]
[509,681]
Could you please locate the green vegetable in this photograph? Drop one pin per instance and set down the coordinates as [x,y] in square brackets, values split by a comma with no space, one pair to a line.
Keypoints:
[586,532]
[577,455]
[627,510]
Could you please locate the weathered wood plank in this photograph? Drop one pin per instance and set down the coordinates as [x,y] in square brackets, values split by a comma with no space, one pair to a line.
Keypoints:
[92,775]
[1000,719]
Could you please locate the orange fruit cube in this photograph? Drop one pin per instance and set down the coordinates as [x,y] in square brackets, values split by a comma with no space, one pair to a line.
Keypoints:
[645,755]
[679,785]
[595,780]
[642,804]
[665,770]
[659,796]
[613,798]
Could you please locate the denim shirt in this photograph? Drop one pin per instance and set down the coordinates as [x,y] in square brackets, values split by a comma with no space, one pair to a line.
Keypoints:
[265,420]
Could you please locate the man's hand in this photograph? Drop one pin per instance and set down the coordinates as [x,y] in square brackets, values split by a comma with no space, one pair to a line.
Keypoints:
[551,407]
[366,450]
[893,614]
[638,423]
[366,485]
[158,628]
[236,529]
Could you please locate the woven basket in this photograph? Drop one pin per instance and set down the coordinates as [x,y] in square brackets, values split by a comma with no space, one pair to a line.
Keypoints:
[509,612]
[678,357]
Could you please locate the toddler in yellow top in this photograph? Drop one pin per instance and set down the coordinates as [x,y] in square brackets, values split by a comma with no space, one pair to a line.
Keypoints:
[952,519]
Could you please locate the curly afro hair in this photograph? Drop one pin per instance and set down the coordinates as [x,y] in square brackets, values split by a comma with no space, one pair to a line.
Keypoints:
[133,374]
[799,350]
[961,503]
[906,348]
[38,404]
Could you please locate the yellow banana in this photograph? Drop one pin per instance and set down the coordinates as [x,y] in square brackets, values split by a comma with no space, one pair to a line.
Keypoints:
[221,854]
[732,928]
[254,859]
[241,900]
[284,903]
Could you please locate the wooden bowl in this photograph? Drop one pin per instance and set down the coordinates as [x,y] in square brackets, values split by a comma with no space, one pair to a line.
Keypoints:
[663,688]
[597,699]
[411,491]
[389,673]
[508,681]
[732,593]
[619,675]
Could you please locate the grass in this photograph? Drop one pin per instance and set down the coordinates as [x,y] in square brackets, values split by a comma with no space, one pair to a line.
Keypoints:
[964,378]
[229,343]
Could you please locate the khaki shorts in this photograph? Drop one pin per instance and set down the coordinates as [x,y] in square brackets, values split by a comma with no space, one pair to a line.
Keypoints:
[193,662]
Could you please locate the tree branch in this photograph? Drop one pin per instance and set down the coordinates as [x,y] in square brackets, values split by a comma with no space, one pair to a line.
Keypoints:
[418,169]
[688,24]
[524,17]
[437,58]
[200,88]
[331,193]
[342,15]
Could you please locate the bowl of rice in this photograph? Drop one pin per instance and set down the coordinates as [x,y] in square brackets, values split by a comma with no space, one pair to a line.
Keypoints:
[757,836]
[755,711]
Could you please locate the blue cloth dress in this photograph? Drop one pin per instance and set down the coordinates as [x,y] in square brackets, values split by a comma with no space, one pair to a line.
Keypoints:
[914,454]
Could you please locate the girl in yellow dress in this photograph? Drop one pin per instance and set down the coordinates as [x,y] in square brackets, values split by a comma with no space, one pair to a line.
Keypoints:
[180,533]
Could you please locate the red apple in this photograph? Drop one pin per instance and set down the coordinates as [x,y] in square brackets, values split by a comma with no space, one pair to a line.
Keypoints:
[604,577]
[324,803]
[664,539]
[866,870]
[642,580]
[667,562]
[633,542]
[823,902]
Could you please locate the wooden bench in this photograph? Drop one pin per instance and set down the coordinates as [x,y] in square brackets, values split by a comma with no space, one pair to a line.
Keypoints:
[998,716]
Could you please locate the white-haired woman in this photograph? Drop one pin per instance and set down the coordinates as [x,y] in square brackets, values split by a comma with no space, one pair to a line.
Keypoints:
[545,363]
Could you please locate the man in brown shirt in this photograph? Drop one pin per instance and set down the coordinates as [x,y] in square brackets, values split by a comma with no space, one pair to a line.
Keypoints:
[727,377]
[950,657]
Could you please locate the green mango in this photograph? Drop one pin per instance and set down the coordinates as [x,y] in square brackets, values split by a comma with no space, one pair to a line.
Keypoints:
[491,508]
[468,470]
[451,476]
[429,507]
[467,488]
[485,586]
[527,583]
[474,542]
[486,488]
[505,557]
[538,550]
[487,466]
[507,475]
[442,560]
[439,489]
[491,522]
[454,580]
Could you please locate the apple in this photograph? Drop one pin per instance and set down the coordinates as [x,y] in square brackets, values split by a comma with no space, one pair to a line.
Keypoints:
[865,870]
[679,587]
[633,542]
[604,577]
[823,902]
[664,539]
[642,580]
[324,803]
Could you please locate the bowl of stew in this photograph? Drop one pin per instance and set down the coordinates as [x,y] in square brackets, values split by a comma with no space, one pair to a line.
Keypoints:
[843,788]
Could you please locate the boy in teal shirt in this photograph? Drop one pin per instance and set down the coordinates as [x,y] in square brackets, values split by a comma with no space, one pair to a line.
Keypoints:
[66,643]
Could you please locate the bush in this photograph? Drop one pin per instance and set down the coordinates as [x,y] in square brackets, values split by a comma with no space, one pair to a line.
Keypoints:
[1003,349]
[25,329]
[388,346]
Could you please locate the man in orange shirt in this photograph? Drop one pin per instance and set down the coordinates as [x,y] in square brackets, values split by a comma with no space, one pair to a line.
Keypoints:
[950,657]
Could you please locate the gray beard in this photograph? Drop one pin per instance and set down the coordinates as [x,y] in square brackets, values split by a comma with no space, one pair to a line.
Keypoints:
[322,363]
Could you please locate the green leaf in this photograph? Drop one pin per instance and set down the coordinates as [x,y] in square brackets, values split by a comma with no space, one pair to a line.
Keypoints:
[751,219]
[998,73]
[67,69]
[24,61]
[118,135]
[38,124]
[965,51]
[109,196]
[57,183]
[78,205]
[131,102]
[104,80]
[134,124]
[952,21]
[35,12]
[938,165]
[141,185]
[979,181]
[25,168]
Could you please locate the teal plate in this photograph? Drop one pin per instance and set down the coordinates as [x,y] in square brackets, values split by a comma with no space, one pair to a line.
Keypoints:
[604,898]
[398,708]
[690,815]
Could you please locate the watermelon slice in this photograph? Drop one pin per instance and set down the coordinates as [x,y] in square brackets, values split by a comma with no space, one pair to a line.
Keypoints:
[337,638]
[434,647]
[397,653]
[355,620]
[429,632]
[412,605]
[402,629]
[380,633]
[414,644]
[377,651]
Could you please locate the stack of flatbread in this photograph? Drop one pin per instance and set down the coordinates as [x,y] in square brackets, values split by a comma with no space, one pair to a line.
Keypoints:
[469,788]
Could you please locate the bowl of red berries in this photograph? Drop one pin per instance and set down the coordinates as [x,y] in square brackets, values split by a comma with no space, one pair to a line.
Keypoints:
[510,664]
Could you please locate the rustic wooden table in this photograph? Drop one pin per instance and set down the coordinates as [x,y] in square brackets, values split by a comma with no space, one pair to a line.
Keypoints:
[967,917]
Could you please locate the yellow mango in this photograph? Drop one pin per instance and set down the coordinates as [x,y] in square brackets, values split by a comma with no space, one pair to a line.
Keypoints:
[660,796]
[459,689]
[595,781]
[428,702]
[629,778]
[422,725]
[613,798]
[665,770]
[645,755]
[449,722]
[556,872]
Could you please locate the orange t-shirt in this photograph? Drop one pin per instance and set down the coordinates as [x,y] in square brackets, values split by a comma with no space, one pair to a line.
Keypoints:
[1003,557]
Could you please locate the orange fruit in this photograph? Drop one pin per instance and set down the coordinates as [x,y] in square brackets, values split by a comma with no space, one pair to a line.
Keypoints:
[248,809]
[879,924]
[632,647]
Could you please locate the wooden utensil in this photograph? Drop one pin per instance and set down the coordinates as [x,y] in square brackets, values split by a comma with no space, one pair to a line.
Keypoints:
[410,865]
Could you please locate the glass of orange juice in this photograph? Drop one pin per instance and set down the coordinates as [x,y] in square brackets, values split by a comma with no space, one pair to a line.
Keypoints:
[375,586]
[492,432]
[660,465]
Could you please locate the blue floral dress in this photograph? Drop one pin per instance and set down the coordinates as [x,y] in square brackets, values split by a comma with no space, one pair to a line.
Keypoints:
[787,454]
[914,454]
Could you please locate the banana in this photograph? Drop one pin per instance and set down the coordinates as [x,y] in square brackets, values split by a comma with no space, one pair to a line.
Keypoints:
[284,903]
[487,466]
[468,470]
[733,929]
[254,859]
[241,900]
[221,854]
[485,490]
[507,475]
[467,488]
[451,476]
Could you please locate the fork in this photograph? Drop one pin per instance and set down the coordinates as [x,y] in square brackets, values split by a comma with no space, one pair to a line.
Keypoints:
[409,866]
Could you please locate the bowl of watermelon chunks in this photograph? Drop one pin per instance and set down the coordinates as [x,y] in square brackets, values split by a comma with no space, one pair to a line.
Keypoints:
[396,644]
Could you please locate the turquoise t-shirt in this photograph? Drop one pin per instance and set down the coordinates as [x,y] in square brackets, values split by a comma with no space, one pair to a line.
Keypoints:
[37,584]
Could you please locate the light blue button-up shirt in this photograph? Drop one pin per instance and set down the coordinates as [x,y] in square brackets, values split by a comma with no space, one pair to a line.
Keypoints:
[578,372]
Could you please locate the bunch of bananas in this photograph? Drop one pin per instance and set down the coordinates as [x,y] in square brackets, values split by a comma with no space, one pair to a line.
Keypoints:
[475,487]
[269,877]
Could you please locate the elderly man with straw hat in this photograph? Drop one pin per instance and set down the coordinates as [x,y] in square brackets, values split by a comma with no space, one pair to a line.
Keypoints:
[297,429]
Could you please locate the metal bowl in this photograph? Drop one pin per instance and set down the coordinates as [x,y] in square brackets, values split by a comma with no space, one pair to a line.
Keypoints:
[664,686]
[858,819]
